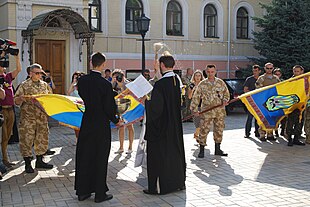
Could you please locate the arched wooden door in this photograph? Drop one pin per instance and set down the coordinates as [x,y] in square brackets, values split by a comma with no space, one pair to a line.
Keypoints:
[51,55]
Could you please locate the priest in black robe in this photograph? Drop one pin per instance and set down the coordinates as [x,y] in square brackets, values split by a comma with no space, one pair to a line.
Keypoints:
[94,141]
[164,134]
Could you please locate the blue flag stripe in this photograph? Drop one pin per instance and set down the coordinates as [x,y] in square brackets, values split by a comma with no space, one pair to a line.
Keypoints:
[260,100]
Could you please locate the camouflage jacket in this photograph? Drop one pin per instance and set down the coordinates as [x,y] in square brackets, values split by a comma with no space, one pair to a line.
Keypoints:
[263,80]
[28,108]
[211,94]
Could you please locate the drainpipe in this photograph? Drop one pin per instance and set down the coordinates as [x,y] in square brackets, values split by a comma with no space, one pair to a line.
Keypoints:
[228,41]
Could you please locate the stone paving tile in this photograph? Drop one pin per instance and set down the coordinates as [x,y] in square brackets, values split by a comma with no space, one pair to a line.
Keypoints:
[254,174]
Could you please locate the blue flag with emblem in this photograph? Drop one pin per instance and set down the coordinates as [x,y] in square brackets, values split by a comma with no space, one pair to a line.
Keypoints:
[272,103]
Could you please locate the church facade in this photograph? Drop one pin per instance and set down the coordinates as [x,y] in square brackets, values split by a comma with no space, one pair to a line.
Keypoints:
[61,34]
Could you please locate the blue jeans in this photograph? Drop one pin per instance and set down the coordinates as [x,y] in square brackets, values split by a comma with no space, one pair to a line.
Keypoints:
[248,124]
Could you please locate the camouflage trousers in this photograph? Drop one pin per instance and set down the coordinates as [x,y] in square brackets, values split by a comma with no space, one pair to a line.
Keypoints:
[33,133]
[205,127]
[186,110]
[294,125]
[7,127]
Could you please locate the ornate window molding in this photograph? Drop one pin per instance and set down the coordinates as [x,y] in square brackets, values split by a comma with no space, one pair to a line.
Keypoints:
[210,21]
[146,11]
[220,20]
[250,11]
[184,6]
[174,19]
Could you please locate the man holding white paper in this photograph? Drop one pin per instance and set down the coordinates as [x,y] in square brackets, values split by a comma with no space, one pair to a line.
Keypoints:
[164,134]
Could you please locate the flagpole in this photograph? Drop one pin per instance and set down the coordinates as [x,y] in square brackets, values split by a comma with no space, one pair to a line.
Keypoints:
[209,109]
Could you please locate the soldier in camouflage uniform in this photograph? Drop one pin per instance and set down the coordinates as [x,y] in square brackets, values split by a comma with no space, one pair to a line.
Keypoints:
[186,82]
[33,127]
[213,92]
[294,124]
[265,80]
[307,123]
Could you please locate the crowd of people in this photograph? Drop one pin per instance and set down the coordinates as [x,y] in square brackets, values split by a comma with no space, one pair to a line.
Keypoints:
[163,134]
[291,125]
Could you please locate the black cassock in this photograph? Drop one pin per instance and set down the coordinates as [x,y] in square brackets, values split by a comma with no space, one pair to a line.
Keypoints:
[164,135]
[94,141]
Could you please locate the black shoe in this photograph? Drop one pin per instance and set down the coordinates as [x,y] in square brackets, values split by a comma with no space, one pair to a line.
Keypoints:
[146,191]
[271,138]
[282,133]
[83,197]
[296,141]
[290,142]
[202,151]
[263,139]
[49,152]
[218,150]
[247,136]
[105,197]
[28,167]
[41,164]
[257,134]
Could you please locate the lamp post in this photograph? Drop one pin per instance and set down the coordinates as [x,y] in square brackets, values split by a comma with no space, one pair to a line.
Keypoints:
[143,24]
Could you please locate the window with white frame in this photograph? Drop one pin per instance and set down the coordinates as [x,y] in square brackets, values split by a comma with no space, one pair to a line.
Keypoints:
[210,21]
[95,15]
[242,23]
[134,9]
[174,18]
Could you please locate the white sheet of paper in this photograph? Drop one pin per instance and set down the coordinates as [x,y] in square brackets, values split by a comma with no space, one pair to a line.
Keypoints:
[140,86]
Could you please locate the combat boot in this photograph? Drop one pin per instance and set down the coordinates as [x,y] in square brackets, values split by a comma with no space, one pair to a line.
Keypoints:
[28,167]
[202,151]
[296,141]
[41,164]
[218,150]
[290,141]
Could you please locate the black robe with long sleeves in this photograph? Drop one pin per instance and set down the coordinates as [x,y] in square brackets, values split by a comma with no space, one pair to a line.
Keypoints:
[164,135]
[94,141]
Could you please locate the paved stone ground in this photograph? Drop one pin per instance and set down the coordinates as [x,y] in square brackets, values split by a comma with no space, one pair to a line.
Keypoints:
[254,174]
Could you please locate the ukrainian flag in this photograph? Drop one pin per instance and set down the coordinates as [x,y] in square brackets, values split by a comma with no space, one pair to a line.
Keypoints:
[69,110]
[270,104]
[134,113]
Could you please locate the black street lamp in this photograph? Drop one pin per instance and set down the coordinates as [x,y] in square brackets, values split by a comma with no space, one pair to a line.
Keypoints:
[143,24]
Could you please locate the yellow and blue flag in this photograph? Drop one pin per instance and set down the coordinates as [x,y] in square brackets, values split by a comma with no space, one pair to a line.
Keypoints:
[69,110]
[270,104]
[134,113]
